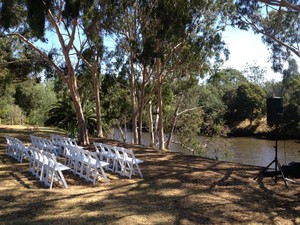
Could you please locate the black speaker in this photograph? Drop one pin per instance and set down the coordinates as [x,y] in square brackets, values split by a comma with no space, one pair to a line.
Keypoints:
[274,110]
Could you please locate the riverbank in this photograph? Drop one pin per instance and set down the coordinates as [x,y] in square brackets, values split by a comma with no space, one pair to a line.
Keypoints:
[176,189]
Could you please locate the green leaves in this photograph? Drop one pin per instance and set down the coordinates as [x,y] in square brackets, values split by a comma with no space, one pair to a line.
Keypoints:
[36,12]
[11,13]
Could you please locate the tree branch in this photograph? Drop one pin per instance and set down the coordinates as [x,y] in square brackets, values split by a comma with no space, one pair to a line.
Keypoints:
[187,110]
[42,54]
[283,3]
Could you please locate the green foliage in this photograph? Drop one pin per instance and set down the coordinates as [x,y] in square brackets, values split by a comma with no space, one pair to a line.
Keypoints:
[249,102]
[279,26]
[290,73]
[217,96]
[36,13]
[62,115]
[255,74]
[292,107]
[71,9]
[12,114]
[273,88]
[115,99]
[187,132]
[11,13]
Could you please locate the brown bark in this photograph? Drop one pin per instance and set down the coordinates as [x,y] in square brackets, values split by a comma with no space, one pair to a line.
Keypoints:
[160,104]
[96,84]
[150,118]
[133,101]
[141,105]
[71,78]
[172,127]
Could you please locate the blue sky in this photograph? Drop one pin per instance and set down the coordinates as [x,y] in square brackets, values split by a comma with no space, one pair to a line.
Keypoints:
[244,46]
[247,47]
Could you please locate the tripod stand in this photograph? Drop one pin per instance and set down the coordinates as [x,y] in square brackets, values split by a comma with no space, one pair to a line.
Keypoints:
[277,165]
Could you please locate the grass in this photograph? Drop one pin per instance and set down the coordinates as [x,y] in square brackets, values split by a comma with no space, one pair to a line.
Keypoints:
[176,189]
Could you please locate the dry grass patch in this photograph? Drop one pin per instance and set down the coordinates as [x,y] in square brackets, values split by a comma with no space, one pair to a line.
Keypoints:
[176,189]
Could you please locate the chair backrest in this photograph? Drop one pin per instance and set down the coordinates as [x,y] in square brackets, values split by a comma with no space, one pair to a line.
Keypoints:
[109,148]
[98,146]
[43,144]
[62,141]
[50,160]
[8,140]
[92,157]
[103,149]
[71,150]
[128,155]
[119,151]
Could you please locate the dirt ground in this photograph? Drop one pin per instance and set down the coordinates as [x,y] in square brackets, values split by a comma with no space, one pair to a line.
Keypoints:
[176,189]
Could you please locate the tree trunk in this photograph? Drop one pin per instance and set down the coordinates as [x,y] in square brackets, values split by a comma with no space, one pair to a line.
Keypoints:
[172,127]
[140,117]
[121,131]
[160,105]
[141,106]
[160,117]
[133,102]
[150,118]
[83,132]
[96,84]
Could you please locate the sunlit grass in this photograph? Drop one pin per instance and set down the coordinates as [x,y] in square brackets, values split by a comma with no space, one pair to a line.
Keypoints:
[176,189]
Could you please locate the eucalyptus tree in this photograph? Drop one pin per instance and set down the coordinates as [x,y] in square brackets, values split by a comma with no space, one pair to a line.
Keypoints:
[255,74]
[95,24]
[125,30]
[279,23]
[19,65]
[219,95]
[291,72]
[165,37]
[249,102]
[31,22]
[184,34]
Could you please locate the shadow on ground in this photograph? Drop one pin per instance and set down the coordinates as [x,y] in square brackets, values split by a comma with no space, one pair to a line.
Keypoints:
[176,189]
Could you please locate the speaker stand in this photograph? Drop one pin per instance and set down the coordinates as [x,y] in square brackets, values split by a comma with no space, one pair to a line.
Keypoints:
[277,167]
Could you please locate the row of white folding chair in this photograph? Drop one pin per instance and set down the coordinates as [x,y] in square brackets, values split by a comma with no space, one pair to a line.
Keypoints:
[43,144]
[85,163]
[16,149]
[121,160]
[107,154]
[61,142]
[44,166]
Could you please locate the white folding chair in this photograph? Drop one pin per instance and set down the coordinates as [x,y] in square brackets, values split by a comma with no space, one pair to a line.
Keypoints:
[44,144]
[22,151]
[131,164]
[36,162]
[105,154]
[52,170]
[9,145]
[14,147]
[119,159]
[81,163]
[61,142]
[93,165]
[111,156]
[71,153]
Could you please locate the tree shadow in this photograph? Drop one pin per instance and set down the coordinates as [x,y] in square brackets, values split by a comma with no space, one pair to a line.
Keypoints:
[176,189]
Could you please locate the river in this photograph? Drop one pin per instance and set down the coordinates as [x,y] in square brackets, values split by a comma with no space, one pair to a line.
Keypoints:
[245,150]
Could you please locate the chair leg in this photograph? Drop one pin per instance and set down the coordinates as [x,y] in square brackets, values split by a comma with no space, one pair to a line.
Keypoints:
[139,170]
[103,174]
[62,178]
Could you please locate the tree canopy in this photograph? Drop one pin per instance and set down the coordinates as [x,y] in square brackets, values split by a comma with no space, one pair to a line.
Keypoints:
[142,65]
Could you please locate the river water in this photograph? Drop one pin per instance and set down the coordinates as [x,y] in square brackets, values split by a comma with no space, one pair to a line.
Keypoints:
[245,150]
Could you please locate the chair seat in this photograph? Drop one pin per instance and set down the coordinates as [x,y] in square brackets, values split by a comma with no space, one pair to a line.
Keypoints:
[61,167]
[129,159]
[103,164]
